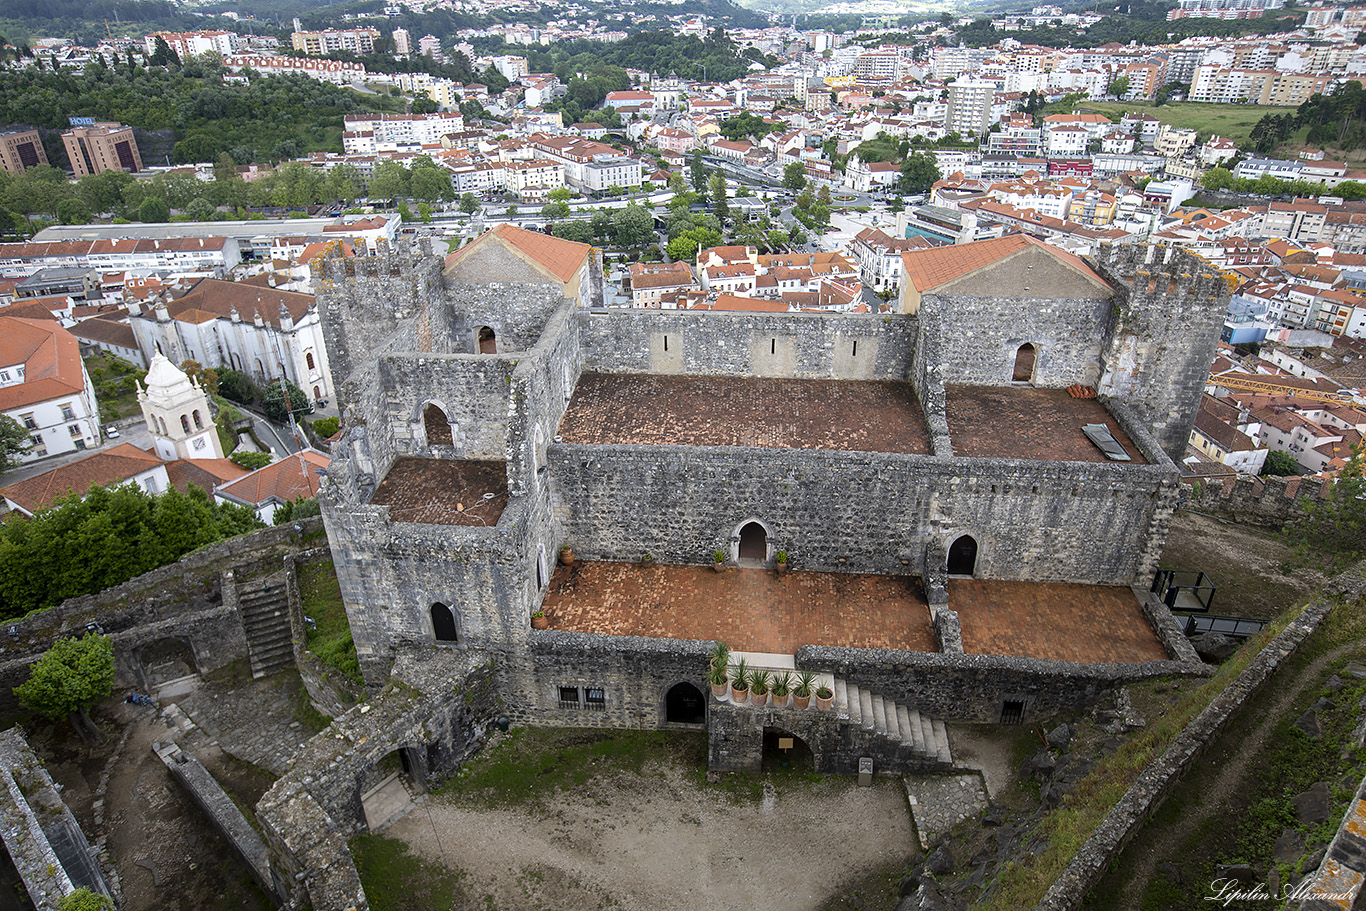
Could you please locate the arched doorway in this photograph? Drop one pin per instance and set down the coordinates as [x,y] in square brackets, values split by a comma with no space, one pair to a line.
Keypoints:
[784,751]
[1024,364]
[753,542]
[683,704]
[443,623]
[963,556]
[437,426]
[488,342]
[166,662]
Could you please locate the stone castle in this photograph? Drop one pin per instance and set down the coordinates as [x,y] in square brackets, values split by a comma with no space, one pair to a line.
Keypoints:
[494,415]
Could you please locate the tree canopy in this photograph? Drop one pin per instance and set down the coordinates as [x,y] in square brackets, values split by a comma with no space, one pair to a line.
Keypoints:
[1334,527]
[70,677]
[14,442]
[80,546]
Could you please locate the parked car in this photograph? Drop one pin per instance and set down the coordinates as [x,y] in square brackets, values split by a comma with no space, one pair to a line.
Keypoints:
[112,432]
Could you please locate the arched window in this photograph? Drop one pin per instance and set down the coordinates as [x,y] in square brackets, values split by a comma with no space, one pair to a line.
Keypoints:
[309,358]
[963,556]
[198,421]
[152,424]
[260,369]
[163,427]
[443,623]
[437,425]
[753,542]
[185,423]
[488,343]
[1024,364]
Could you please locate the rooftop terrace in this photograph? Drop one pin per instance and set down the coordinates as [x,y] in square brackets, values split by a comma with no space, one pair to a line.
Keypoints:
[444,491]
[1021,422]
[729,411]
[753,610]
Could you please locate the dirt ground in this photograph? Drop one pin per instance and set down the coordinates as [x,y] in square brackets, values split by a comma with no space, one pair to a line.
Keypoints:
[1252,568]
[656,839]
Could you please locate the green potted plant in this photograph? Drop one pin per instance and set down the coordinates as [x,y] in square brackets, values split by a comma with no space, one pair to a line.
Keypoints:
[739,682]
[718,560]
[647,560]
[801,690]
[781,689]
[566,555]
[720,655]
[539,620]
[825,697]
[719,680]
[758,688]
[780,562]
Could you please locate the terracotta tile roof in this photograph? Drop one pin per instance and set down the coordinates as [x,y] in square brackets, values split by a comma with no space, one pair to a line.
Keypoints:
[288,479]
[752,304]
[111,466]
[928,269]
[220,298]
[205,474]
[106,330]
[51,357]
[560,258]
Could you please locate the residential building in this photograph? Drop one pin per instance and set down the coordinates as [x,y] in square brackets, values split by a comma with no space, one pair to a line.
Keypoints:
[878,255]
[339,72]
[969,107]
[651,281]
[21,149]
[102,147]
[192,44]
[356,41]
[403,41]
[296,476]
[44,387]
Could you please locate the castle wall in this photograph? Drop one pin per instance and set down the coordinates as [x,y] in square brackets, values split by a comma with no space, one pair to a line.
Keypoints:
[844,511]
[980,336]
[792,345]
[471,389]
[516,312]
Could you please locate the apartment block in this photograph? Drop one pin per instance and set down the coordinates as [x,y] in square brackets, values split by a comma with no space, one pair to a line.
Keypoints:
[102,147]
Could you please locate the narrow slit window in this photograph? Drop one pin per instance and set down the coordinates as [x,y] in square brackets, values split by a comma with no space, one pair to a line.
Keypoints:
[666,343]
[855,349]
[773,346]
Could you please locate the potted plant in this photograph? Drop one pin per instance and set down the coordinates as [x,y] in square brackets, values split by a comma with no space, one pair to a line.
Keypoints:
[719,680]
[739,682]
[801,690]
[718,560]
[781,689]
[780,562]
[758,688]
[647,560]
[566,555]
[720,655]
[539,620]
[825,697]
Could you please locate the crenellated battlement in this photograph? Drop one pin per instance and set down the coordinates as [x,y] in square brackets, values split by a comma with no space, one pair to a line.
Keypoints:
[1270,502]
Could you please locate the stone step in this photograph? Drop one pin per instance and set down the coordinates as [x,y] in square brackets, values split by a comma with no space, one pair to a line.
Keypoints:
[911,725]
[903,724]
[841,690]
[865,708]
[927,735]
[941,733]
[855,705]
[881,723]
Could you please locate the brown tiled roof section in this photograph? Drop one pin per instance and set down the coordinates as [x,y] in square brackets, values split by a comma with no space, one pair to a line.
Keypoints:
[561,258]
[104,468]
[928,269]
[51,357]
[220,298]
[205,474]
[292,477]
[107,331]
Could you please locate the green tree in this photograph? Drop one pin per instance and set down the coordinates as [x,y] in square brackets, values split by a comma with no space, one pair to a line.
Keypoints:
[560,194]
[85,900]
[344,182]
[697,171]
[469,203]
[633,226]
[199,209]
[103,192]
[554,211]
[73,212]
[919,172]
[719,203]
[14,442]
[389,180]
[1334,527]
[273,401]
[1119,87]
[1217,179]
[154,209]
[429,183]
[70,677]
[794,176]
[575,229]
[1280,464]
[251,461]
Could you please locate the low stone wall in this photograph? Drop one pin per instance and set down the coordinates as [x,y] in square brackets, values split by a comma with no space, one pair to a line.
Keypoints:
[1156,782]
[437,707]
[40,833]
[1268,502]
[329,690]
[184,600]
[1338,880]
[210,797]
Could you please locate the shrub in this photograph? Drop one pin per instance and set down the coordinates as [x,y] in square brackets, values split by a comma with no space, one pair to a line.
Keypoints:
[251,461]
[326,427]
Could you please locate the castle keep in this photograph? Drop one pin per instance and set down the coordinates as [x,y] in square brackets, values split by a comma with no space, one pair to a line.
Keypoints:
[925,472]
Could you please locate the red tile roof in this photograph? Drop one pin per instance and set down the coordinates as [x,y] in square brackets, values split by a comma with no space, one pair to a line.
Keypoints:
[288,479]
[111,466]
[556,256]
[51,357]
[929,269]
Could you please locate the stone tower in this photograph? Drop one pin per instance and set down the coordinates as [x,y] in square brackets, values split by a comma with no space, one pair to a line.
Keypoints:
[177,412]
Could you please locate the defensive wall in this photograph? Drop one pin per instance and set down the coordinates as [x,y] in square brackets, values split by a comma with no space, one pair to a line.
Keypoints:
[1269,502]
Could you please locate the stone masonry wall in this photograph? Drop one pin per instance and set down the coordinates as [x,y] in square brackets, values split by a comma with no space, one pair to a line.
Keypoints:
[1268,502]
[182,601]
[802,346]
[833,511]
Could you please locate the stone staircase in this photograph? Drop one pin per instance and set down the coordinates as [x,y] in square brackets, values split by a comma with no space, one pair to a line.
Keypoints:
[263,605]
[902,725]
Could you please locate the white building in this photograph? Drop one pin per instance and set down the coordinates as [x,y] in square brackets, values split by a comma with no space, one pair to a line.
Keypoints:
[253,328]
[403,41]
[969,107]
[176,410]
[44,387]
[372,134]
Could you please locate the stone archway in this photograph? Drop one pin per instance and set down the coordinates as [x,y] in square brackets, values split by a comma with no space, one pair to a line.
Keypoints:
[752,543]
[684,704]
[1025,357]
[784,750]
[443,623]
[436,425]
[962,560]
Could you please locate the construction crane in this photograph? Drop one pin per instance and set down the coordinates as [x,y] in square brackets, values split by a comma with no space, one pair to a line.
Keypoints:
[1266,385]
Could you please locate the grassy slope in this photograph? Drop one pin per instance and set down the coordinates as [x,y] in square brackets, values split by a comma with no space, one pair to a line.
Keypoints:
[1231,121]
